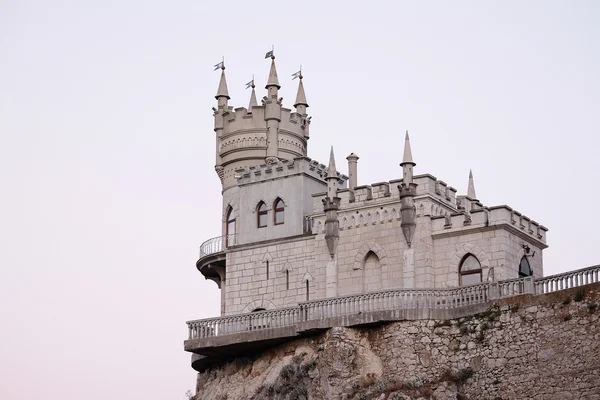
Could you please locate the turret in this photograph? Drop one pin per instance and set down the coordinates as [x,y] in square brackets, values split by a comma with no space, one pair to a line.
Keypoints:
[222,92]
[253,102]
[263,133]
[272,114]
[331,205]
[408,191]
[300,103]
[222,98]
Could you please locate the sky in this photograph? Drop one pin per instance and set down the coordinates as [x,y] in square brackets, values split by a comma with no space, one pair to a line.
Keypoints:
[107,155]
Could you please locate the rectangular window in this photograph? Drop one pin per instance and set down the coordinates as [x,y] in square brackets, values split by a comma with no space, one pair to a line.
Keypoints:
[262,220]
[279,217]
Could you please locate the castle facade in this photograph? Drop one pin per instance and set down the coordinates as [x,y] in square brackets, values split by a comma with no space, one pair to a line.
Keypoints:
[296,230]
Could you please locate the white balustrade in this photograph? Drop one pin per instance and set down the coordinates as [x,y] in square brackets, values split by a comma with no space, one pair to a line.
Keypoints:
[567,280]
[388,300]
[217,245]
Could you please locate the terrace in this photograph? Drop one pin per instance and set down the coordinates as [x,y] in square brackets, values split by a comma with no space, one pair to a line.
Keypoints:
[215,339]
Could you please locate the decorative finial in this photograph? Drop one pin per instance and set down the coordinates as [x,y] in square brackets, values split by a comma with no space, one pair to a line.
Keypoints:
[407,158]
[471,187]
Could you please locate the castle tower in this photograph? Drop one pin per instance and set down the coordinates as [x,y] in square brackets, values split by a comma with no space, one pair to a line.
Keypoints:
[264,133]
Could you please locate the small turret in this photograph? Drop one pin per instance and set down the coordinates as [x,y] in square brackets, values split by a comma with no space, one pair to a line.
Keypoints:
[408,190]
[222,92]
[300,103]
[272,114]
[471,189]
[252,98]
[273,81]
[331,205]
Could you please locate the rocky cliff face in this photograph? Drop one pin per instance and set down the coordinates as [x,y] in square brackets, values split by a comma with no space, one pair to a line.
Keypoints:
[527,347]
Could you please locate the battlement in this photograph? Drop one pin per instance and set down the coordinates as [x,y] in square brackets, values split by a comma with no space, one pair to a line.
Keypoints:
[490,216]
[241,119]
[384,192]
[285,168]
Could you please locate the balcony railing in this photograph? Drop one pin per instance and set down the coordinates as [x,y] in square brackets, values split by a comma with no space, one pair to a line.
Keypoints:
[217,245]
[388,300]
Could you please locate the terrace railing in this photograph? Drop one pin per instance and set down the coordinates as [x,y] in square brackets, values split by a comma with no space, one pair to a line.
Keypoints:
[217,245]
[389,300]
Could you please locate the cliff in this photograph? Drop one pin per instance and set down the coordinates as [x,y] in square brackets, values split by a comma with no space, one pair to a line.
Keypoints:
[525,347]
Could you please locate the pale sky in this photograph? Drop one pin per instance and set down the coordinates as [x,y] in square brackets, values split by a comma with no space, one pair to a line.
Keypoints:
[107,155]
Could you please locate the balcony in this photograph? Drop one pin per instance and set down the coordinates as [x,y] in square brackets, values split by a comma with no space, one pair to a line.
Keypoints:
[216,338]
[211,262]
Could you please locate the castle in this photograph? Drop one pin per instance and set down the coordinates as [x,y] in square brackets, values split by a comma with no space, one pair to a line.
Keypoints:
[294,229]
[305,248]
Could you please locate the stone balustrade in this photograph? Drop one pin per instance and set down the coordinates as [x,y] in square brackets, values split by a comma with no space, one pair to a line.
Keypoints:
[217,245]
[453,298]
[567,280]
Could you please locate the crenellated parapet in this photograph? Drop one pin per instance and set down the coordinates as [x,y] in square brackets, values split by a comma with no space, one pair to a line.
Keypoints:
[286,168]
[442,196]
[486,217]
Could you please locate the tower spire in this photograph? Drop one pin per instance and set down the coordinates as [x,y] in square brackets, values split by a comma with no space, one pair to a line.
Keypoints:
[222,92]
[273,79]
[332,176]
[471,189]
[301,104]
[252,97]
[407,163]
[332,172]
[407,158]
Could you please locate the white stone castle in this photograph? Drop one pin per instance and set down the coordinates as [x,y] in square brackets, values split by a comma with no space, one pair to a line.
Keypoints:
[296,230]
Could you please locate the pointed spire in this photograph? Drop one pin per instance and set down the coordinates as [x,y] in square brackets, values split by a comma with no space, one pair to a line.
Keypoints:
[300,96]
[332,173]
[407,159]
[273,79]
[471,189]
[222,91]
[252,99]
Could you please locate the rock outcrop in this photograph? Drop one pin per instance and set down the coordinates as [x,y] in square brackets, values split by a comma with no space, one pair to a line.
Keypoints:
[526,347]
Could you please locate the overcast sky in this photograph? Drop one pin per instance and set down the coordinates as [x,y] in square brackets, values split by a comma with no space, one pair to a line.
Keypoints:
[107,154]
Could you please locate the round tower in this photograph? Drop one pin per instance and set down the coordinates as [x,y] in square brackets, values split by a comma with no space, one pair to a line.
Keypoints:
[263,134]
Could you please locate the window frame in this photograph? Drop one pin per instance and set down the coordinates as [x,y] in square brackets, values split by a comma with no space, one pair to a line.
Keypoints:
[228,221]
[462,273]
[260,213]
[277,210]
[521,275]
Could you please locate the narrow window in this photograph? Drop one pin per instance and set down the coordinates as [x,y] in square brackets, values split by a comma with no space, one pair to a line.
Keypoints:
[470,270]
[267,270]
[230,228]
[307,296]
[524,268]
[287,280]
[279,209]
[261,215]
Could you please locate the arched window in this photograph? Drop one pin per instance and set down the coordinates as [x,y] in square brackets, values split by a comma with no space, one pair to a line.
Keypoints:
[371,273]
[307,291]
[230,228]
[279,209]
[261,215]
[470,270]
[287,279]
[524,268]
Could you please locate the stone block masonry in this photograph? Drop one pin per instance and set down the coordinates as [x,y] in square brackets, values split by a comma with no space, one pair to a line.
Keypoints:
[524,347]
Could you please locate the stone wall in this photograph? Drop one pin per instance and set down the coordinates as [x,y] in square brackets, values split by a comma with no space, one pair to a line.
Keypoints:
[525,347]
